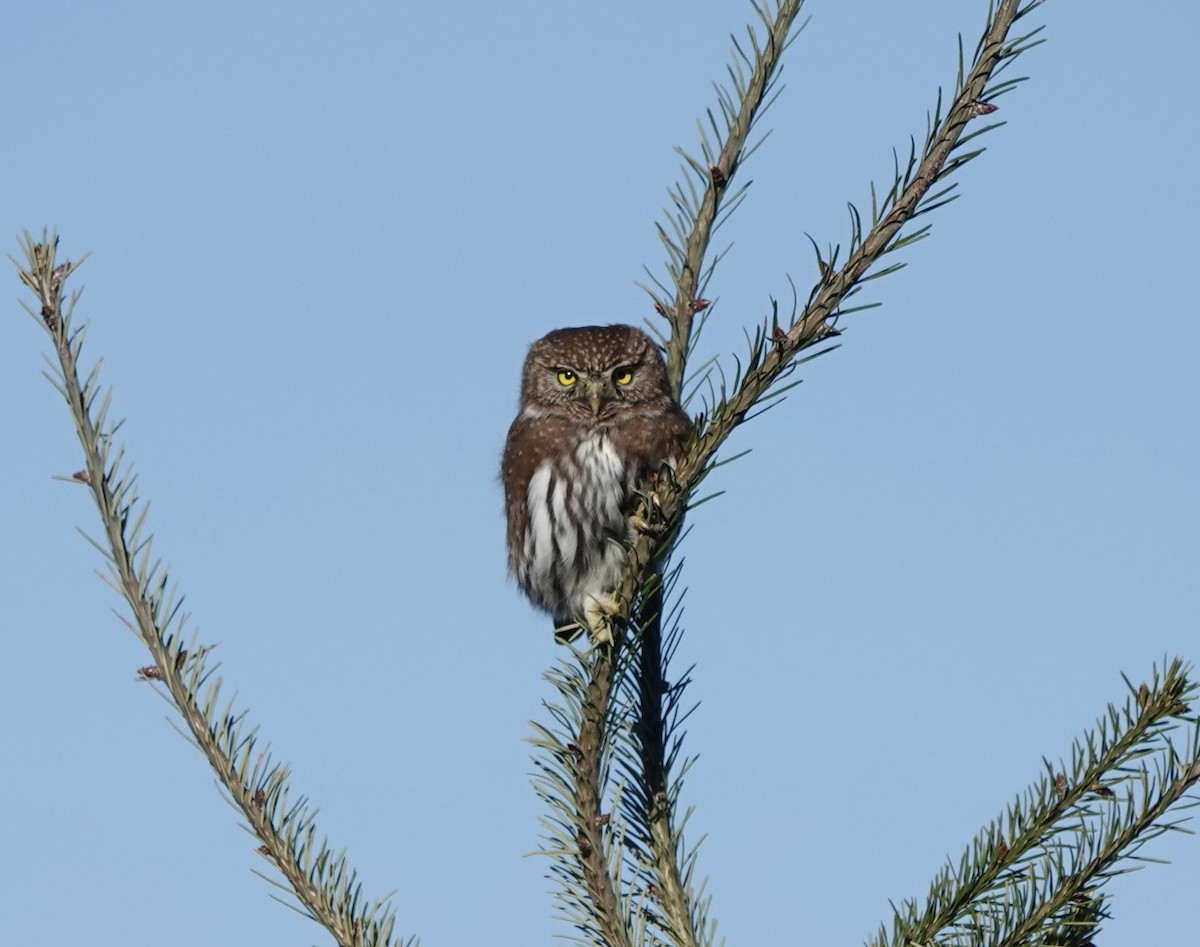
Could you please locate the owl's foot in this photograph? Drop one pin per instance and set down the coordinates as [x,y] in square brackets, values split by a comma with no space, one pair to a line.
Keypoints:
[599,613]
[647,516]
[643,525]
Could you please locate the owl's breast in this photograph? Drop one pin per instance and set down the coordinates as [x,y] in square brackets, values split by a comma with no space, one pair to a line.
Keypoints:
[562,549]
[604,479]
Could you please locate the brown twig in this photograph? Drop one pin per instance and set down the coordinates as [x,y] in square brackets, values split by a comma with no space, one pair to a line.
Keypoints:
[589,750]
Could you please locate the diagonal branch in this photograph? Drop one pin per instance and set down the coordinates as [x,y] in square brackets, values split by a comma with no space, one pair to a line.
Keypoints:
[1027,872]
[322,881]
[772,357]
[688,259]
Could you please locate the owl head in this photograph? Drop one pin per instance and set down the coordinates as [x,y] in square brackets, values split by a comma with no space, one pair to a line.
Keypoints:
[593,373]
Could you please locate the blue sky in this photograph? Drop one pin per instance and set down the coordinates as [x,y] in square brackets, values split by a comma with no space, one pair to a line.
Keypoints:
[323,237]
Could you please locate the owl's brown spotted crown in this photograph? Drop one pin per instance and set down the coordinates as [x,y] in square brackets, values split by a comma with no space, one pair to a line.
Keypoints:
[597,419]
[593,370]
[593,347]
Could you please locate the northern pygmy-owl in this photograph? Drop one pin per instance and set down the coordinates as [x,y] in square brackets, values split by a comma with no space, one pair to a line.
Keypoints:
[597,419]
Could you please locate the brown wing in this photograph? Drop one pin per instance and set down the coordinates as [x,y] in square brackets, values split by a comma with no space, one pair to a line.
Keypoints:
[530,442]
[653,436]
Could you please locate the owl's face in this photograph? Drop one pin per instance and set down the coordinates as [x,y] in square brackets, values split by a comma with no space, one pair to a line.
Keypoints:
[592,374]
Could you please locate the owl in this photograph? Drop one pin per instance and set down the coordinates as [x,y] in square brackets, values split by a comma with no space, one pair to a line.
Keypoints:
[597,418]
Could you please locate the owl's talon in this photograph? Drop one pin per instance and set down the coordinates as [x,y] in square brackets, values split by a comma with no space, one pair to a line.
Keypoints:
[601,634]
[643,525]
[598,614]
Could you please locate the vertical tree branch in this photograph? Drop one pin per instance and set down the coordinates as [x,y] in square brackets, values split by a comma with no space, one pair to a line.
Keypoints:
[589,794]
[651,734]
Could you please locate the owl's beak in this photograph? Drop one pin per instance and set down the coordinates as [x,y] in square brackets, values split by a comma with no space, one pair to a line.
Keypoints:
[595,397]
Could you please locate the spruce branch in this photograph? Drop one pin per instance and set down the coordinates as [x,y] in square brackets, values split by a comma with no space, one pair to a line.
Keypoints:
[697,213]
[323,882]
[775,350]
[571,778]
[650,757]
[650,798]
[649,902]
[1033,876]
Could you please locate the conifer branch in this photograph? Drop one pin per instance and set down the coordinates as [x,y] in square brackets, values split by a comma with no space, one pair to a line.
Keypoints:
[1033,875]
[591,721]
[774,348]
[323,882]
[572,780]
[595,857]
[775,352]
[697,215]
[650,798]
[654,785]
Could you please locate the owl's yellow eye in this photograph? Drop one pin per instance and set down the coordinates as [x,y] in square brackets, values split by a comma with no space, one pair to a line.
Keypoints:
[623,376]
[566,377]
